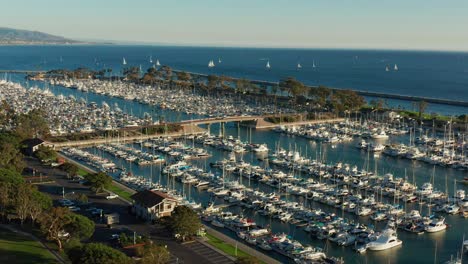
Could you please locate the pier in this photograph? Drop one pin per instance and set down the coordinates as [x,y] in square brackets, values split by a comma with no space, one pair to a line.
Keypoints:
[189,127]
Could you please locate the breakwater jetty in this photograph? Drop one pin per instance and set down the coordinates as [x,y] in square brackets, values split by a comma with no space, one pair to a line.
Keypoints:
[264,83]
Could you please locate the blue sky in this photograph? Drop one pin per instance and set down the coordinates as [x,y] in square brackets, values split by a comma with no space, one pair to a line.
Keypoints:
[395,24]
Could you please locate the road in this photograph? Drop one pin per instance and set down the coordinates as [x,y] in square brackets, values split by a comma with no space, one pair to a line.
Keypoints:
[128,223]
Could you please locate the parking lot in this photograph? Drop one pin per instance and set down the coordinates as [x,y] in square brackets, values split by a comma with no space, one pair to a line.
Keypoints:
[65,188]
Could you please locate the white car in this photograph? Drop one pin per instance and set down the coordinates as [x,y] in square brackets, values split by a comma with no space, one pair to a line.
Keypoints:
[74,208]
[111,196]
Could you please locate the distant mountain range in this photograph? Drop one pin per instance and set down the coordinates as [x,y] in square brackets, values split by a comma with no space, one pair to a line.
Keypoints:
[10,36]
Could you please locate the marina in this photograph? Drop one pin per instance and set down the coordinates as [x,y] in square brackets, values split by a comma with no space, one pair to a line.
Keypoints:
[290,180]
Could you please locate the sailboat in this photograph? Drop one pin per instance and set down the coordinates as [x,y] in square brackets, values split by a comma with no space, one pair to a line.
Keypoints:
[299,66]
[219,60]
[211,64]
[387,69]
[268,65]
[395,67]
[157,63]
[151,59]
[313,64]
[124,62]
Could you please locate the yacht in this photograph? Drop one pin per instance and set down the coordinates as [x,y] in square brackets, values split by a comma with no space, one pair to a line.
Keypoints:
[436,225]
[380,135]
[386,240]
[261,148]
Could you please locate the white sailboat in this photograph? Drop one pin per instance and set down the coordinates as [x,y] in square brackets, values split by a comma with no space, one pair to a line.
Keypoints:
[211,64]
[387,69]
[157,63]
[299,66]
[395,67]
[151,59]
[268,65]
[313,64]
[219,60]
[124,62]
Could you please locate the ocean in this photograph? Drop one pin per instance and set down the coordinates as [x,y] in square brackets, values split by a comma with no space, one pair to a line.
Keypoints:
[420,73]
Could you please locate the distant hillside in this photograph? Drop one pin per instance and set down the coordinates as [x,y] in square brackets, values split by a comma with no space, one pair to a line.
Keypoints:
[17,36]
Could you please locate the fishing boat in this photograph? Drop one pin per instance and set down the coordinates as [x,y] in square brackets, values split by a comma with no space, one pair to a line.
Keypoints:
[386,240]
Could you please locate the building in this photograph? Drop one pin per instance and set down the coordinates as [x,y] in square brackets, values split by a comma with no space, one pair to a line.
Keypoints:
[32,145]
[151,205]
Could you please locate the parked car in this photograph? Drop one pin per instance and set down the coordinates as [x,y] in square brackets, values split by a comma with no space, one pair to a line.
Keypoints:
[74,208]
[111,196]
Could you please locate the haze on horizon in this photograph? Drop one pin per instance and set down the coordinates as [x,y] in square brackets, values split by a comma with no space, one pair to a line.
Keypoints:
[397,24]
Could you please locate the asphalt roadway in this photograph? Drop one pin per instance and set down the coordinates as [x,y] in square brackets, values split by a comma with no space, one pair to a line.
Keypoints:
[180,253]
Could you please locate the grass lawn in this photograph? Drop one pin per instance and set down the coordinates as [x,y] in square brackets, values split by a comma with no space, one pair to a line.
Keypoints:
[124,194]
[82,172]
[16,248]
[226,248]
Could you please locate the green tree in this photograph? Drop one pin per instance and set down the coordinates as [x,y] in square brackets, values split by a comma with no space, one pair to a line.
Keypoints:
[44,153]
[99,181]
[320,95]
[10,157]
[422,105]
[185,222]
[132,73]
[153,254]
[293,86]
[346,100]
[23,201]
[212,81]
[70,168]
[80,227]
[40,202]
[241,85]
[247,260]
[53,222]
[6,197]
[32,124]
[10,176]
[97,253]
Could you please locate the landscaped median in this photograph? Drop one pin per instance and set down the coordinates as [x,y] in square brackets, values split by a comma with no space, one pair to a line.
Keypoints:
[225,247]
